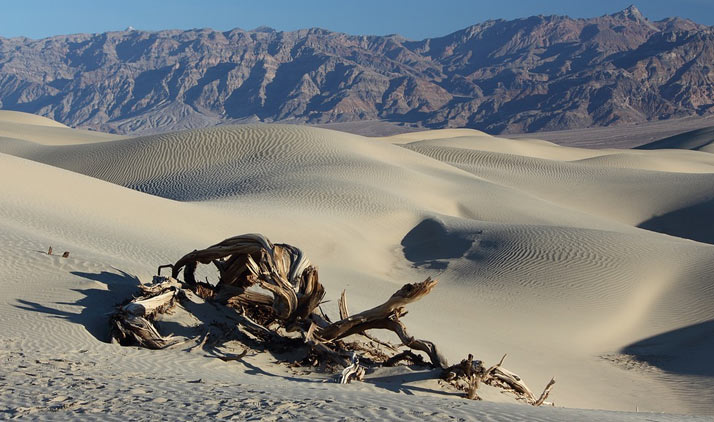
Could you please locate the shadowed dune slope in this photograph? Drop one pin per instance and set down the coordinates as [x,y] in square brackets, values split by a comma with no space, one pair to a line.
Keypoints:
[698,139]
[686,350]
[694,222]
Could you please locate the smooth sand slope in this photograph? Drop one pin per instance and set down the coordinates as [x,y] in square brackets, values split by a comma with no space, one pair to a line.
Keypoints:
[16,126]
[537,247]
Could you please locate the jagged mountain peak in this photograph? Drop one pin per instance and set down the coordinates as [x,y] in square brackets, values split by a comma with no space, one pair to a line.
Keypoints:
[631,12]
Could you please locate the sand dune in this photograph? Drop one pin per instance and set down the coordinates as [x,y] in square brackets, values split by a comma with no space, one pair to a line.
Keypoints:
[16,127]
[630,196]
[17,117]
[537,247]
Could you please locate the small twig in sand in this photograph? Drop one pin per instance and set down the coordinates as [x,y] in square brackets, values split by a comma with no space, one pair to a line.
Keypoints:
[230,358]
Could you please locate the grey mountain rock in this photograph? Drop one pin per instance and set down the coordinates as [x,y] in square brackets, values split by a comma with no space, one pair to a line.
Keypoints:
[524,75]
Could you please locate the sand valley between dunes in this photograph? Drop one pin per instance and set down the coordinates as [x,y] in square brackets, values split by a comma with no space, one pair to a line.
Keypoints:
[591,265]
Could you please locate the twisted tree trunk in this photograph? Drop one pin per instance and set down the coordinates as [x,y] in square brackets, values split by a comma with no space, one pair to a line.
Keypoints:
[290,304]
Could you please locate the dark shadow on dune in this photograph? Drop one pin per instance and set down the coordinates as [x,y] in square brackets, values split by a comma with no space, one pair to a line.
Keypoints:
[176,329]
[96,305]
[429,243]
[251,369]
[693,139]
[400,383]
[693,223]
[686,351]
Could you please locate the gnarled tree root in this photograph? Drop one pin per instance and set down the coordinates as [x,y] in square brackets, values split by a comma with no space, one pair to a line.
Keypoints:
[286,315]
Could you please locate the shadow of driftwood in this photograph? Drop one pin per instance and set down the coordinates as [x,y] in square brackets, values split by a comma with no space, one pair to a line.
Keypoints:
[97,304]
[401,382]
[686,350]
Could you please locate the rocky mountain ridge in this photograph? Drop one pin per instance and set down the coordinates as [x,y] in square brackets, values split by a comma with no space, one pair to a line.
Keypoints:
[524,75]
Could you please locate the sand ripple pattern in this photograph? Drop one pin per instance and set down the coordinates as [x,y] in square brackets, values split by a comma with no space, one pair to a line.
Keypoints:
[314,167]
[76,385]
[623,194]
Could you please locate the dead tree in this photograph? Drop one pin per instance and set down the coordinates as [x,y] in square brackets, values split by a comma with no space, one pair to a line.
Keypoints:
[273,293]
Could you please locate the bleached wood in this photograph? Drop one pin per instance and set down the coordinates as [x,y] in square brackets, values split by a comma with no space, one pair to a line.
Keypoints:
[545,393]
[407,294]
[290,304]
[342,305]
[354,371]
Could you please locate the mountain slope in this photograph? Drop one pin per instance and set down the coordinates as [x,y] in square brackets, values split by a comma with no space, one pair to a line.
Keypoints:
[537,73]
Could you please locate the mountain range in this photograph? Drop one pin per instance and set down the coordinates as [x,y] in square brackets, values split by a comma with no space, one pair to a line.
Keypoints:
[524,75]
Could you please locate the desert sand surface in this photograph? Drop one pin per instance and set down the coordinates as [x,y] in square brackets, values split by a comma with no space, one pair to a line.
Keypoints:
[593,266]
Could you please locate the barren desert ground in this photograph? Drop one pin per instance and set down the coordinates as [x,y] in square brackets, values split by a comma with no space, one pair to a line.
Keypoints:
[591,265]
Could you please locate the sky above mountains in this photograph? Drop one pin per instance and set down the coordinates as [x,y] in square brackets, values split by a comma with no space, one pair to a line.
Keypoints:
[415,19]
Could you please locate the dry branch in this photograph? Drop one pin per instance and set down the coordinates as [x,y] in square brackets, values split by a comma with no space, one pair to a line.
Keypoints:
[288,306]
[132,323]
[342,304]
[394,306]
[545,393]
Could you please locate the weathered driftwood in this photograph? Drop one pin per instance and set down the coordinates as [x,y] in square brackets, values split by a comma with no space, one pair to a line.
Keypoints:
[271,294]
[469,373]
[352,372]
[251,259]
[342,305]
[133,321]
[386,316]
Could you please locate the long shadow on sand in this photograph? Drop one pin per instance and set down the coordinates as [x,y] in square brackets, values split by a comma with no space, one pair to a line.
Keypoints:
[686,351]
[403,382]
[97,304]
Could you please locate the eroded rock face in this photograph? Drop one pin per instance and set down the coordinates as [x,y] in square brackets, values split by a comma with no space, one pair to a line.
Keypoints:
[537,73]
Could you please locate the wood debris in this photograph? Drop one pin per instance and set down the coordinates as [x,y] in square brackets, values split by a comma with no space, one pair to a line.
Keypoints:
[271,294]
